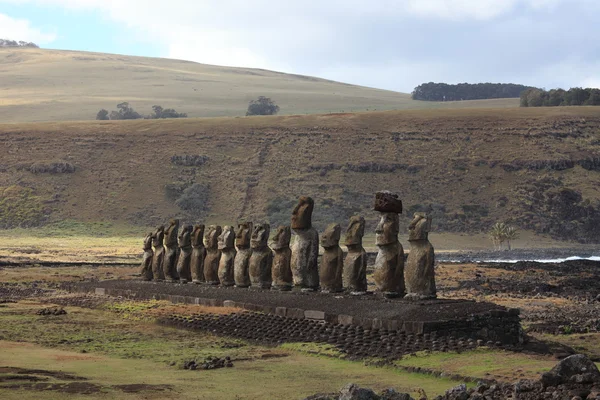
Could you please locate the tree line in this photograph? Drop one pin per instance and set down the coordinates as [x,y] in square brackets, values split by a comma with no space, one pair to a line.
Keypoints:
[467,91]
[14,43]
[559,97]
[125,111]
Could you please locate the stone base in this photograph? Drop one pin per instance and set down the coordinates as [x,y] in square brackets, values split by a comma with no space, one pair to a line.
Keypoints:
[417,297]
[197,282]
[282,288]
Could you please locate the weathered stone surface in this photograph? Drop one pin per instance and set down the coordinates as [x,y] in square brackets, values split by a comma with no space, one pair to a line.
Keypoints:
[159,254]
[302,213]
[332,261]
[387,202]
[213,254]
[354,277]
[353,392]
[241,266]
[281,273]
[576,369]
[389,264]
[198,254]
[170,263]
[146,271]
[261,260]
[419,273]
[305,250]
[226,242]
[185,254]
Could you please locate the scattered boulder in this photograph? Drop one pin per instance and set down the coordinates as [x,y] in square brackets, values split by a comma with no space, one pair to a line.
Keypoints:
[576,369]
[352,391]
[52,311]
[209,363]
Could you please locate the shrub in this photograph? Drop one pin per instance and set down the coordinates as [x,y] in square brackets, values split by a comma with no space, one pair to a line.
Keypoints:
[19,207]
[194,200]
[102,115]
[262,106]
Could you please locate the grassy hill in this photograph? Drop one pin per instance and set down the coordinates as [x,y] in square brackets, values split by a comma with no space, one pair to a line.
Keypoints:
[470,168]
[57,85]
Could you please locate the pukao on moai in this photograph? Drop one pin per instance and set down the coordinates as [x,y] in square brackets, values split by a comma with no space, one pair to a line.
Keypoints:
[305,250]
[147,258]
[419,273]
[159,254]
[213,255]
[241,273]
[226,242]
[355,264]
[261,260]
[198,254]
[282,256]
[332,261]
[389,264]
[170,263]
[185,254]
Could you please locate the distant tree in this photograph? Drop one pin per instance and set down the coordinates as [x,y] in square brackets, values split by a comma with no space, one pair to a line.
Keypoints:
[502,232]
[558,97]
[102,115]
[262,106]
[467,91]
[14,43]
[127,112]
[160,112]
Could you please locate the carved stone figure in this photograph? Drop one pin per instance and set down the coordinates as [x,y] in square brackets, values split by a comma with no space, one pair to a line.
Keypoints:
[282,271]
[213,255]
[226,243]
[332,261]
[241,273]
[185,254]
[170,263]
[261,260]
[147,258]
[305,250]
[387,202]
[198,254]
[355,264]
[419,272]
[159,254]
[389,264]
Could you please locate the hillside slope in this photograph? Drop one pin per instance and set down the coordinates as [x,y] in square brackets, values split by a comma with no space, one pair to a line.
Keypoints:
[57,85]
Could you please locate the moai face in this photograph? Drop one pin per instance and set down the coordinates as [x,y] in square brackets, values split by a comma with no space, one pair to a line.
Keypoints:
[260,236]
[355,231]
[387,229]
[419,227]
[148,241]
[226,238]
[282,238]
[173,222]
[197,235]
[242,237]
[159,236]
[211,239]
[331,236]
[302,214]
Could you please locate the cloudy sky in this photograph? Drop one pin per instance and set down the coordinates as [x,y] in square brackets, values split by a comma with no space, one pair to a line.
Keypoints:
[389,44]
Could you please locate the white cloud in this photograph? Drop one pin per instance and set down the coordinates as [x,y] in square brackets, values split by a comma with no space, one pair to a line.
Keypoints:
[21,29]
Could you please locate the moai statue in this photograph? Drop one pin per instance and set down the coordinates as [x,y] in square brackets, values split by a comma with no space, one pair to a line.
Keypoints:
[241,273]
[213,255]
[332,262]
[170,263]
[261,260]
[147,258]
[389,264]
[159,254]
[282,271]
[305,250]
[355,264]
[419,272]
[198,254]
[185,255]
[226,243]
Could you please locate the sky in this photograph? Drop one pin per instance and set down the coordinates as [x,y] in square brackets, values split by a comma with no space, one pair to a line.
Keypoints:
[386,44]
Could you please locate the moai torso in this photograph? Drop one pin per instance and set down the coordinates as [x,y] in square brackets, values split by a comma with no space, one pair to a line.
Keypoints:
[419,272]
[332,261]
[282,255]
[213,255]
[241,273]
[159,254]
[389,264]
[355,264]
[261,260]
[305,250]
[185,255]
[147,258]
[226,246]
[198,254]
[170,263]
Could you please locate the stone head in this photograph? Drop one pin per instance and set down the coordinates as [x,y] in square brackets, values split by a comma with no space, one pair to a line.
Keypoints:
[355,231]
[174,222]
[331,236]
[243,234]
[387,229]
[226,238]
[419,227]
[159,236]
[197,234]
[260,236]
[188,228]
[211,238]
[282,237]
[148,241]
[302,214]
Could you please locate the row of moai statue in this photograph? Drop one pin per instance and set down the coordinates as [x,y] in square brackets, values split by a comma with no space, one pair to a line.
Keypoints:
[244,258]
